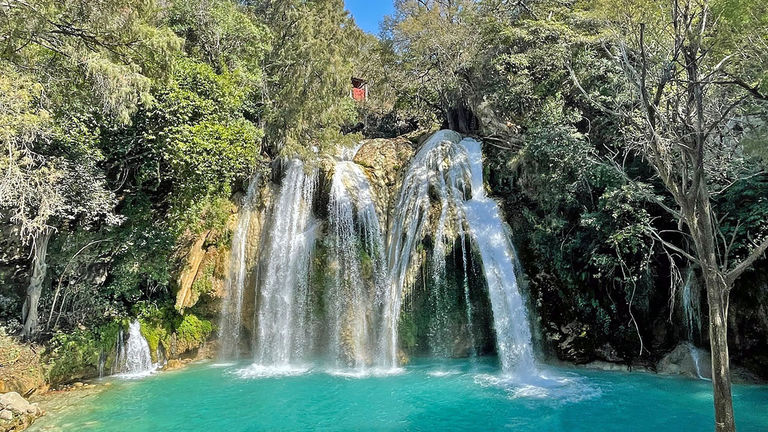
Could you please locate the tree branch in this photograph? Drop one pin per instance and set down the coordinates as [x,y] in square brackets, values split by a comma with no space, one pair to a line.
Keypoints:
[756,253]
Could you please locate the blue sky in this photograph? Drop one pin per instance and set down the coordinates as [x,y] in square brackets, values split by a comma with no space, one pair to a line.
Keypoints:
[369,13]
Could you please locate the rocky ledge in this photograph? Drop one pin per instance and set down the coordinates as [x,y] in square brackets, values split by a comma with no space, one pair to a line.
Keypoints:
[16,413]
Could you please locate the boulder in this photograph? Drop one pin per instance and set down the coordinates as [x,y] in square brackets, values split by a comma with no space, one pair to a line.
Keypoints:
[16,414]
[173,364]
[14,402]
[384,161]
[686,360]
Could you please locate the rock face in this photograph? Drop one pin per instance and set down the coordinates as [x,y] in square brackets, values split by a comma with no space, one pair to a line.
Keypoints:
[186,296]
[16,413]
[384,161]
[21,369]
[686,360]
[572,344]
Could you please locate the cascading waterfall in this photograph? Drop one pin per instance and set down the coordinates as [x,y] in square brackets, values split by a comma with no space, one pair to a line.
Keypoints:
[134,357]
[231,312]
[283,334]
[489,232]
[354,301]
[691,309]
[442,198]
[409,224]
[451,167]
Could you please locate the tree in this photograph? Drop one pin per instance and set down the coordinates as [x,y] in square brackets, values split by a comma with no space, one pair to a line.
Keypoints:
[63,64]
[697,94]
[435,47]
[307,74]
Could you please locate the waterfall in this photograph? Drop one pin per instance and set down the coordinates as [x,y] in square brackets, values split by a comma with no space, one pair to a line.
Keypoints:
[232,307]
[355,310]
[691,309]
[283,335]
[690,303]
[133,356]
[352,303]
[489,232]
[444,170]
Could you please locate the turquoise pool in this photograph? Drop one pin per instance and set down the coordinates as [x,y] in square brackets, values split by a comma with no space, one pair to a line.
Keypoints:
[424,396]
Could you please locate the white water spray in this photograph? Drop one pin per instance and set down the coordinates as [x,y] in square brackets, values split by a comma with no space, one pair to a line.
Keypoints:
[283,334]
[451,167]
[353,300]
[134,357]
[232,308]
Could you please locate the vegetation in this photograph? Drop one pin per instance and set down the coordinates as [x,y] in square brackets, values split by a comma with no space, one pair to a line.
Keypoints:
[129,126]
[626,140]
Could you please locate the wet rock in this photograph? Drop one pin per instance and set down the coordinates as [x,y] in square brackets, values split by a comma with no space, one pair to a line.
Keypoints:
[16,413]
[173,364]
[741,375]
[572,343]
[686,360]
[608,353]
[384,161]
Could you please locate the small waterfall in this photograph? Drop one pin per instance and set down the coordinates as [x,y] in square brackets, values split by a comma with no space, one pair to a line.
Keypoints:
[696,355]
[443,171]
[690,303]
[134,357]
[691,306]
[232,308]
[358,248]
[283,335]
[489,232]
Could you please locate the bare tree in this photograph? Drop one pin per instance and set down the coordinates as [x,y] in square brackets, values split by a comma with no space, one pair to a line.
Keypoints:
[687,107]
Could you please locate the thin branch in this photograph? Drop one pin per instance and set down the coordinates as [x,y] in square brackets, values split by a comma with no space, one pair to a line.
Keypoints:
[756,253]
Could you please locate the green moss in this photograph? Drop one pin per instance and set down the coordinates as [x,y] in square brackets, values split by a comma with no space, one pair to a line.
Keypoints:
[107,336]
[204,284]
[158,326]
[72,356]
[408,333]
[192,330]
[156,333]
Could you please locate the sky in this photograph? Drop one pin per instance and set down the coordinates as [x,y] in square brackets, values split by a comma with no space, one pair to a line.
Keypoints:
[368,14]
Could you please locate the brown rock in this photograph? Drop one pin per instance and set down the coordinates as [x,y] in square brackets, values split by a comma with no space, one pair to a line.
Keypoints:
[173,364]
[384,161]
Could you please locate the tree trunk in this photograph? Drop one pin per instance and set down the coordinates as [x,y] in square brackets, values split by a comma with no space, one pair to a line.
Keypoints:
[699,221]
[717,297]
[35,288]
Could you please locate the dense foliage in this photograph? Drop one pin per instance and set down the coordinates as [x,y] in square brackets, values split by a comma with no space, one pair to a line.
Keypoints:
[544,83]
[127,127]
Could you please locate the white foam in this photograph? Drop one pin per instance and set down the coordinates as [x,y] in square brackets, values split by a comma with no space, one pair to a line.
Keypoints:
[365,372]
[443,373]
[262,371]
[135,375]
[557,388]
[223,365]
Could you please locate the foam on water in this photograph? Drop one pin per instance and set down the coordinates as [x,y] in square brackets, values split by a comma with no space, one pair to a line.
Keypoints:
[443,373]
[555,387]
[365,372]
[270,371]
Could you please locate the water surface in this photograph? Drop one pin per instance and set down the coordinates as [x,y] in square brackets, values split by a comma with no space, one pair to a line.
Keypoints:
[425,396]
